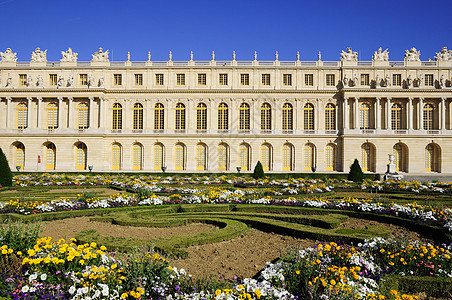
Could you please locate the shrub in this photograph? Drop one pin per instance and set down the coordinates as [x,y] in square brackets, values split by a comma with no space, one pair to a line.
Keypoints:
[355,174]
[19,236]
[258,171]
[6,177]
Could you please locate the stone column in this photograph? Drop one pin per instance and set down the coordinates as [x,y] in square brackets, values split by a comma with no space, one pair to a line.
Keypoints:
[377,114]
[29,101]
[69,112]
[90,112]
[38,111]
[410,113]
[421,113]
[101,113]
[345,111]
[355,117]
[60,104]
[443,113]
[388,113]
[8,110]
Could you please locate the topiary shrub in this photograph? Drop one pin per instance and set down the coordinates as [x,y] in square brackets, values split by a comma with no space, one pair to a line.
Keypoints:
[258,171]
[355,174]
[6,177]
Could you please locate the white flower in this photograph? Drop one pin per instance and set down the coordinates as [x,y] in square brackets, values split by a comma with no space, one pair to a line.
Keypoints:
[43,277]
[33,277]
[72,290]
[25,289]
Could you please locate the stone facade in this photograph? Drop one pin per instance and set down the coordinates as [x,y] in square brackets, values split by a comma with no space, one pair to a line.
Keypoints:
[215,116]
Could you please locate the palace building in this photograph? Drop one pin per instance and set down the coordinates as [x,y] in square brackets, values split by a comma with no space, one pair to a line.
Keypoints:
[215,116]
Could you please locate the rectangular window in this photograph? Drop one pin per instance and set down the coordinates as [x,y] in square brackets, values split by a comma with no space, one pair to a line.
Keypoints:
[158,79]
[223,79]
[22,79]
[365,79]
[202,79]
[53,79]
[83,79]
[117,79]
[180,79]
[428,79]
[138,79]
[265,79]
[309,79]
[244,79]
[330,80]
[397,79]
[287,79]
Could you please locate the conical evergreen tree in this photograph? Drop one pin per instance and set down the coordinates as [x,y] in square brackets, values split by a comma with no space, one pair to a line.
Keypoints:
[355,174]
[6,177]
[258,171]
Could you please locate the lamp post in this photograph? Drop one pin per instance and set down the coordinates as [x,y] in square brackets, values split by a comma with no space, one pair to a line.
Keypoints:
[163,169]
[239,169]
[18,168]
[90,168]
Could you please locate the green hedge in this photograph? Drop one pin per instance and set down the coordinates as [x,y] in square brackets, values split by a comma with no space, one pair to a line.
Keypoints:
[437,287]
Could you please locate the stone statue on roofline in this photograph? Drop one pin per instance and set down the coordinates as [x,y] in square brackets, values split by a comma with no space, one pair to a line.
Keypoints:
[444,55]
[381,55]
[100,56]
[8,56]
[349,55]
[68,55]
[39,56]
[412,55]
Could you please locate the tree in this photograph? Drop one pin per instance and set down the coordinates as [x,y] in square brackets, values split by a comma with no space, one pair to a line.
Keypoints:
[6,177]
[355,174]
[258,171]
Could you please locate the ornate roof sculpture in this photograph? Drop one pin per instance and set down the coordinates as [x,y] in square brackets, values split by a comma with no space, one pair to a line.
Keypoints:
[68,55]
[412,55]
[100,56]
[39,56]
[8,56]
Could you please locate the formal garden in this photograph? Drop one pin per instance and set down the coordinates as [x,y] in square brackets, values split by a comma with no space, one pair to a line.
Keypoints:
[129,236]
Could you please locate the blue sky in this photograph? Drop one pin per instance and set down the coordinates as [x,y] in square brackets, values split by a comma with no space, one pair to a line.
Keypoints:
[245,26]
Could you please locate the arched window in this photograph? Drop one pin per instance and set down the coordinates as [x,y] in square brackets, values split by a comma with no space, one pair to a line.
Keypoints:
[364,116]
[52,116]
[244,117]
[287,117]
[50,156]
[158,156]
[330,117]
[222,157]
[223,116]
[367,157]
[22,116]
[287,157]
[432,158]
[201,157]
[180,116]
[330,157]
[266,157]
[137,116]
[396,116]
[180,157]
[116,157]
[83,116]
[400,157]
[266,117]
[201,117]
[159,115]
[20,155]
[309,157]
[117,117]
[244,157]
[137,156]
[81,156]
[308,114]
[428,116]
